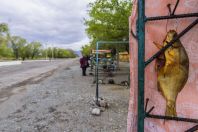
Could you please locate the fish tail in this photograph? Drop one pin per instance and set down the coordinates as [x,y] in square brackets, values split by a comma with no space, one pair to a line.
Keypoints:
[171,108]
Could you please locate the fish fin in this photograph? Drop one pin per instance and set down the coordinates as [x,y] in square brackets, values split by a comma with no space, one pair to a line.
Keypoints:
[171,109]
[156,66]
[159,46]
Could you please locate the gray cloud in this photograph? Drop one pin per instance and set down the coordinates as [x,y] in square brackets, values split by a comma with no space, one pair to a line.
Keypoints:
[49,21]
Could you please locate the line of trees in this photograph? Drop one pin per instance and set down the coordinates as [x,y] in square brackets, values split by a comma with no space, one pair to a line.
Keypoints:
[16,47]
[59,53]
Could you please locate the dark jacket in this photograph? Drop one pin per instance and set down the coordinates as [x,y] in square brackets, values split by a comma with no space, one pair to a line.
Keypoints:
[83,62]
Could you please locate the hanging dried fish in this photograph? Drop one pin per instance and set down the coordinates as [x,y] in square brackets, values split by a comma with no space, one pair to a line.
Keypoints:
[172,68]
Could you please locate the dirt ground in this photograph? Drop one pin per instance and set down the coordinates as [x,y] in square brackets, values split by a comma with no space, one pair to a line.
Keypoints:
[62,101]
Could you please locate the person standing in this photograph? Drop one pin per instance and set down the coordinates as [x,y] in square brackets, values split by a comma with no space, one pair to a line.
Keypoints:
[84,65]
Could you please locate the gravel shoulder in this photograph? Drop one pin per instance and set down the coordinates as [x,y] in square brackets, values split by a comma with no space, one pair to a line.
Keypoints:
[61,102]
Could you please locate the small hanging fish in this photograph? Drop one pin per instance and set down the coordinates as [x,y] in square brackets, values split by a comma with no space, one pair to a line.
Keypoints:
[172,68]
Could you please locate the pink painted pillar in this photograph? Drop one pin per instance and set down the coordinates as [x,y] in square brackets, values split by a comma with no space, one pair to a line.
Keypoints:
[187,101]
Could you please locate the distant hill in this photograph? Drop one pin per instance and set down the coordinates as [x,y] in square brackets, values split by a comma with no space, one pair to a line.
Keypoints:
[78,53]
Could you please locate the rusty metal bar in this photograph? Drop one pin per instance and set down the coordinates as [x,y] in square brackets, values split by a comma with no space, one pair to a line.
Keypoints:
[172,118]
[171,43]
[171,17]
[193,129]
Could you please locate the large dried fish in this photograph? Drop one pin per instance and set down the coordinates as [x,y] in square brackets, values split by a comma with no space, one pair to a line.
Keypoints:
[172,71]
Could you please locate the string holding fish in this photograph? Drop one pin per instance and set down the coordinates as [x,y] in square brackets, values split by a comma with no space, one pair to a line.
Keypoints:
[170,12]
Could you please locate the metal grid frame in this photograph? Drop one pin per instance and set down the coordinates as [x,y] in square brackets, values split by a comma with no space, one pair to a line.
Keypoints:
[142,19]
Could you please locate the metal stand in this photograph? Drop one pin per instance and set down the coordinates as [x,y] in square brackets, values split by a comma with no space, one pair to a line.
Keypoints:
[97,62]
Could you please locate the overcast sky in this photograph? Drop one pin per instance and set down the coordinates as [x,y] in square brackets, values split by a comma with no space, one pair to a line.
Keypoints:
[57,22]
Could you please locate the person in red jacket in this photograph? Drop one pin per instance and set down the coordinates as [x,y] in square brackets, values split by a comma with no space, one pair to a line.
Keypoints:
[84,65]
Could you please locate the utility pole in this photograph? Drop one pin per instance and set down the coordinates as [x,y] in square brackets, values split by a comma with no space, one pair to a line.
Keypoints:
[52,51]
[46,50]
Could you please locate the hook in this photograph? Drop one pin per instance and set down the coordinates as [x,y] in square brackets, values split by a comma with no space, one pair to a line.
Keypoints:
[169,8]
[173,13]
[151,109]
[147,100]
[133,34]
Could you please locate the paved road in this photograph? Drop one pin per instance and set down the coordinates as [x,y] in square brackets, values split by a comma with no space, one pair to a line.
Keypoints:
[16,74]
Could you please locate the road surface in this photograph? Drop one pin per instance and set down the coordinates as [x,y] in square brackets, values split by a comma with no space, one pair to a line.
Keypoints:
[54,97]
[16,74]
